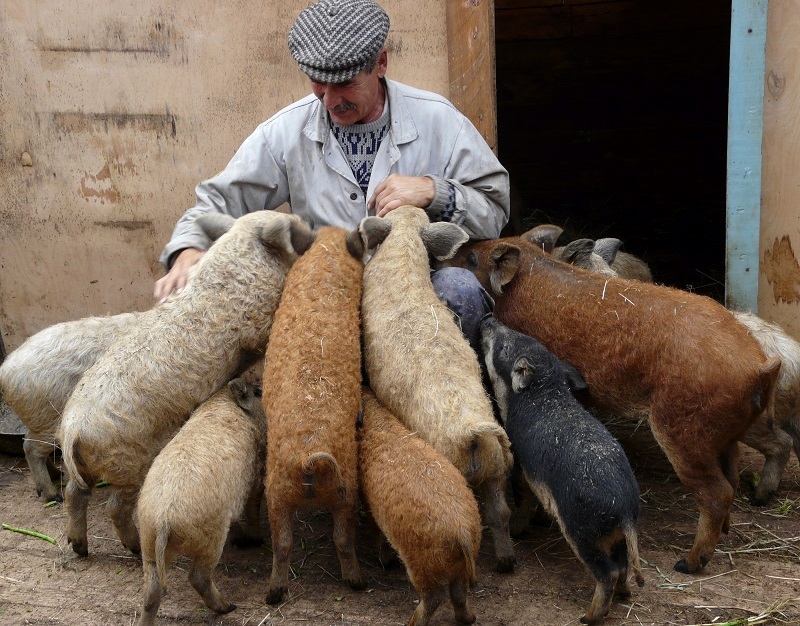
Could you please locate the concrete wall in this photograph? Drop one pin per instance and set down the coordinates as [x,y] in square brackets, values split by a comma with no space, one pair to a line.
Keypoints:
[111,113]
[779,277]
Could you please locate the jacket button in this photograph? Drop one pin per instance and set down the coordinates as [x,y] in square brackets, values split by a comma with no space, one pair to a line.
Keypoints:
[354,196]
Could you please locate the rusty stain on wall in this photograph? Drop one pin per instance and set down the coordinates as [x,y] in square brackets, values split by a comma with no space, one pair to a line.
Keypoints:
[158,39]
[128,224]
[782,271]
[78,122]
[99,186]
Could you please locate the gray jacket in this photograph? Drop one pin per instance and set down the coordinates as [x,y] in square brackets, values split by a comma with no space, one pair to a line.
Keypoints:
[294,157]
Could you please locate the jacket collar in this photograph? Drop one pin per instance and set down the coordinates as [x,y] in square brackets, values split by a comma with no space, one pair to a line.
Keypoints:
[403,127]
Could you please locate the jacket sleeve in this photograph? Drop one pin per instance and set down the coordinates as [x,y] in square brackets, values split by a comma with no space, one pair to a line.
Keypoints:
[481,183]
[253,180]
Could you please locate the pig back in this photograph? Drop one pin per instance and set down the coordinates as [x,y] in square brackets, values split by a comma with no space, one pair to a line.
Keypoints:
[418,362]
[634,343]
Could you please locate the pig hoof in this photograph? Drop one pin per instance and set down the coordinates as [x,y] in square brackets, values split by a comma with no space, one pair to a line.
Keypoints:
[227,609]
[465,617]
[505,565]
[274,596]
[79,546]
[756,501]
[56,498]
[684,568]
[358,584]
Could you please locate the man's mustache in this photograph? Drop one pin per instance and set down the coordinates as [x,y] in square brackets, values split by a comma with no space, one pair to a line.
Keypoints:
[344,108]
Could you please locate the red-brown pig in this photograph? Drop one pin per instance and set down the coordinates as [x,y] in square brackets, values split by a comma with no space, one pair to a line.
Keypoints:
[646,352]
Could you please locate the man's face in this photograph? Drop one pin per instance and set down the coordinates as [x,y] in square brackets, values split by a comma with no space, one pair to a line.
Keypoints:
[358,100]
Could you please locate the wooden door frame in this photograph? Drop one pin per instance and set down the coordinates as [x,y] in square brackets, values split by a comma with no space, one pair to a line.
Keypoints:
[471,63]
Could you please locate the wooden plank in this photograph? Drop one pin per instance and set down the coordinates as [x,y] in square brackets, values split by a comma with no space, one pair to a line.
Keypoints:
[779,270]
[471,63]
[745,119]
[517,21]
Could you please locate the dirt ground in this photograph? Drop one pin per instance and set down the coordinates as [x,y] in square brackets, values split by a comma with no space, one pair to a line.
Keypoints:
[754,578]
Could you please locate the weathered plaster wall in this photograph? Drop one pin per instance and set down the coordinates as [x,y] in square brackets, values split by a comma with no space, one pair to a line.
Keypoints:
[111,113]
[779,277]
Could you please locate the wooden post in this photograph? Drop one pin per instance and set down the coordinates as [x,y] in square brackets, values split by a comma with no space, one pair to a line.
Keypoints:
[471,63]
[745,121]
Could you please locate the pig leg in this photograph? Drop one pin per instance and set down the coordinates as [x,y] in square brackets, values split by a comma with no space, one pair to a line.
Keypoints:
[601,601]
[525,504]
[714,495]
[458,596]
[429,601]
[729,461]
[619,555]
[55,472]
[387,555]
[280,526]
[37,454]
[201,577]
[247,534]
[497,516]
[77,501]
[153,592]
[709,473]
[792,426]
[344,527]
[776,446]
[120,508]
[606,572]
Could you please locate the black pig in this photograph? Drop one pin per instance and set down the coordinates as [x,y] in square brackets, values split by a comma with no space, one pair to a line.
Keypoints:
[576,468]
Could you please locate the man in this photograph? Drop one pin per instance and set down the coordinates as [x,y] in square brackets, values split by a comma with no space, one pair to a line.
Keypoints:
[359,145]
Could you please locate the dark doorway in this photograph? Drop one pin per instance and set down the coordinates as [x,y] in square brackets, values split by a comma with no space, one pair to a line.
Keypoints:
[612,121]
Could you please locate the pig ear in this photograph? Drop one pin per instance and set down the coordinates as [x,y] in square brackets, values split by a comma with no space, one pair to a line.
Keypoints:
[301,236]
[443,239]
[275,231]
[607,248]
[355,244]
[543,236]
[578,253]
[521,374]
[238,389]
[504,262]
[214,225]
[574,378]
[374,231]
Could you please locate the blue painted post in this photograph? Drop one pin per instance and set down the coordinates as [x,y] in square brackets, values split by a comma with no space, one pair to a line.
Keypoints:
[745,126]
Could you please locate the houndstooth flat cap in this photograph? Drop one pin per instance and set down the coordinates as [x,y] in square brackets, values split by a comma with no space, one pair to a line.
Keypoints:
[333,40]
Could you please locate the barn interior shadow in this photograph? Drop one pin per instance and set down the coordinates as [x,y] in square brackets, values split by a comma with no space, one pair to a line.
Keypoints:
[612,122]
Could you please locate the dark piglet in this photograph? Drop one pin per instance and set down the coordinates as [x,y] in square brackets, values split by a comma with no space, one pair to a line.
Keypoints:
[466,298]
[577,470]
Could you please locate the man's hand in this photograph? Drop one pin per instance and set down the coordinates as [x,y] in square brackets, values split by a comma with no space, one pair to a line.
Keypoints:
[397,191]
[175,280]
